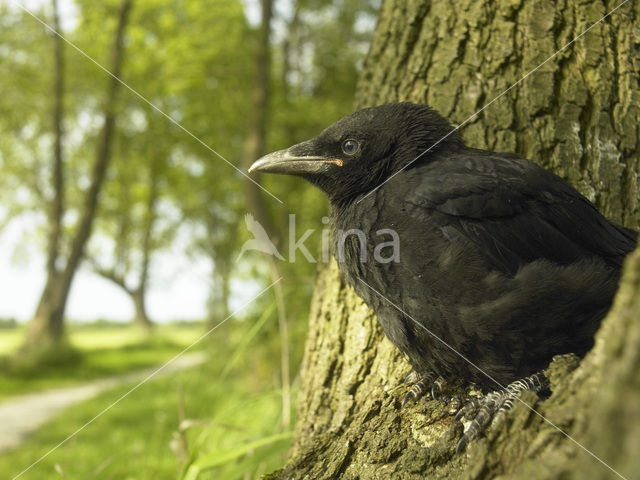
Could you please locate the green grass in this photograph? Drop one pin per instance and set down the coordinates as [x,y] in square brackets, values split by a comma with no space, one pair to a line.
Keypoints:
[95,352]
[10,339]
[133,440]
[221,420]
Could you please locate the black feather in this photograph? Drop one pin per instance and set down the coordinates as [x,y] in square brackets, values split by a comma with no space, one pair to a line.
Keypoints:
[502,260]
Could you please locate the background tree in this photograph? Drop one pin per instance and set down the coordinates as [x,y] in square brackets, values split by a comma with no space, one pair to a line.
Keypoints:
[48,321]
[578,115]
[25,162]
[130,230]
[150,196]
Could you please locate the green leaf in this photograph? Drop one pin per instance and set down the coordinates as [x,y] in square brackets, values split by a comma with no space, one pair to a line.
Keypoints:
[217,459]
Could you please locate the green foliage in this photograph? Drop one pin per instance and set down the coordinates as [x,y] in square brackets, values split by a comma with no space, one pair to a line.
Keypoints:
[25,53]
[194,61]
[242,435]
[8,323]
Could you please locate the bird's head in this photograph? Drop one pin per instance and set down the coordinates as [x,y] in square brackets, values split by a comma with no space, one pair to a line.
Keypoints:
[362,150]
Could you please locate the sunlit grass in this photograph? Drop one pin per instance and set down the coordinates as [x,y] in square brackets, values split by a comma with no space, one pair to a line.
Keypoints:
[212,421]
[133,440]
[10,340]
[96,352]
[88,338]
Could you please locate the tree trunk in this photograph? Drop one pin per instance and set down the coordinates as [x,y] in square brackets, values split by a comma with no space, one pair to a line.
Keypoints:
[55,209]
[47,324]
[220,294]
[255,140]
[57,202]
[578,115]
[141,317]
[118,272]
[137,294]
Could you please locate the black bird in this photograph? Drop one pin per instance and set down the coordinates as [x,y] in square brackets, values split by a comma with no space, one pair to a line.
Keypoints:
[501,264]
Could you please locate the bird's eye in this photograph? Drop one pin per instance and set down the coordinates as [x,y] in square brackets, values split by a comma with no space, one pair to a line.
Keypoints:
[350,147]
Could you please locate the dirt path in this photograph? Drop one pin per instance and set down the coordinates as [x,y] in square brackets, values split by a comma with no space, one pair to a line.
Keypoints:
[24,414]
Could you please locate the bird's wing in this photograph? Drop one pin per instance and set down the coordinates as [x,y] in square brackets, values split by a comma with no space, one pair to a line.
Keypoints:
[515,211]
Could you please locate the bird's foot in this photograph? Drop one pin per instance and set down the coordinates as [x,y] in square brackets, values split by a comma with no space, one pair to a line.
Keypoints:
[437,388]
[422,385]
[491,407]
[419,388]
[438,392]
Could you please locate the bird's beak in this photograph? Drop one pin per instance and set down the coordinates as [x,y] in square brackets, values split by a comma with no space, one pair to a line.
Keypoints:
[294,161]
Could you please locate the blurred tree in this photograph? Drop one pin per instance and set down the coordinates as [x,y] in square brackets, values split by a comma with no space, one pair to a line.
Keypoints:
[306,94]
[156,183]
[194,61]
[577,115]
[211,66]
[25,54]
[47,324]
[287,106]
[255,138]
[295,109]
[316,53]
[129,213]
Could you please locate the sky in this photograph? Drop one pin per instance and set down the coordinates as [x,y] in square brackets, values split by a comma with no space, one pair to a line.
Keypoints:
[179,288]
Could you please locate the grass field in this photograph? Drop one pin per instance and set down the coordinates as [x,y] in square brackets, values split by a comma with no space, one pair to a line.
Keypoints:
[97,352]
[219,420]
[10,339]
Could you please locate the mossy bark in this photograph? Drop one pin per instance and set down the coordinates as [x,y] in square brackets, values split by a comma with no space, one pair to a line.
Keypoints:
[577,115]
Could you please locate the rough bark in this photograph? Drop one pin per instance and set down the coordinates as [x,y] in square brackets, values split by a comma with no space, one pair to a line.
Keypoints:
[578,115]
[47,324]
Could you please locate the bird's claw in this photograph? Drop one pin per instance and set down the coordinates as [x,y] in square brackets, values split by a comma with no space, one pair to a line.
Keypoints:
[491,407]
[461,445]
[454,402]
[424,384]
[437,388]
[413,377]
[420,386]
[469,409]
[417,391]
